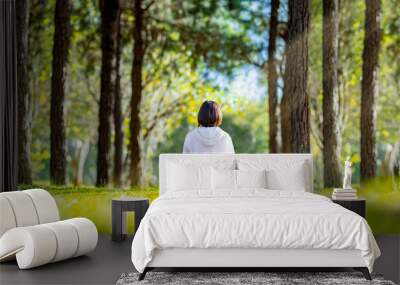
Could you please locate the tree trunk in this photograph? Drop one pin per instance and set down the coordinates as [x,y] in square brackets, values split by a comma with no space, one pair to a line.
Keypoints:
[274,143]
[297,72]
[78,162]
[118,118]
[61,43]
[370,88]
[24,96]
[284,108]
[330,110]
[285,123]
[109,26]
[285,115]
[136,77]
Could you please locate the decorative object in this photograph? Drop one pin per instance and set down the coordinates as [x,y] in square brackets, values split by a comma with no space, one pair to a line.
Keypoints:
[347,174]
[31,231]
[119,208]
[243,278]
[344,194]
[347,192]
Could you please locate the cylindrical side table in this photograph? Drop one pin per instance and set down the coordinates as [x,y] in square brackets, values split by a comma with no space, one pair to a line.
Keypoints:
[119,208]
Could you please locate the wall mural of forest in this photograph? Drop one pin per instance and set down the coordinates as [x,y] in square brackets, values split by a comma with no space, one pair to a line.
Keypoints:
[109,85]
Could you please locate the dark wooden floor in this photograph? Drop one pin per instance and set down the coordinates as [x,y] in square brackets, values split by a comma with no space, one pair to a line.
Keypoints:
[103,266]
[389,262]
[110,260]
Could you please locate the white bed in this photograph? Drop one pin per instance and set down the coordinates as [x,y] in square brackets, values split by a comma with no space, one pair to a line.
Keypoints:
[221,225]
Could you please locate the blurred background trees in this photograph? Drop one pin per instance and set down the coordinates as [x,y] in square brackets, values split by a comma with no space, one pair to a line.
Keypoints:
[128,85]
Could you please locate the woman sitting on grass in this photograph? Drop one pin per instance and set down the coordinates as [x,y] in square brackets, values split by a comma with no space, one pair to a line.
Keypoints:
[208,137]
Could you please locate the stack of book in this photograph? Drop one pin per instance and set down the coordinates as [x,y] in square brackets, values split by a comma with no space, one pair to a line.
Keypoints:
[344,194]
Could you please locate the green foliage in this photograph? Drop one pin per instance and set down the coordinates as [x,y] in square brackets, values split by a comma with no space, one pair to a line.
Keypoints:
[188,42]
[40,45]
[389,99]
[248,128]
[351,38]
[206,31]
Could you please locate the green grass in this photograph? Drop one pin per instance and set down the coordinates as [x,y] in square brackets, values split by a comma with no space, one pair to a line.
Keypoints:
[383,206]
[94,203]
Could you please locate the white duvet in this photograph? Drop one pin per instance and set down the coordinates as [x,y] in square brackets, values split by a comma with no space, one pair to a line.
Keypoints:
[250,219]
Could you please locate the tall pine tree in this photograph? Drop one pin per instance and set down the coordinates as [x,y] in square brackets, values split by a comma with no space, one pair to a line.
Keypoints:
[117,112]
[137,89]
[273,111]
[110,10]
[24,95]
[61,44]
[330,84]
[370,87]
[296,75]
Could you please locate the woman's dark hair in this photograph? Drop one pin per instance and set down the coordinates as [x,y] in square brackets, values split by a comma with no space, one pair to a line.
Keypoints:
[209,115]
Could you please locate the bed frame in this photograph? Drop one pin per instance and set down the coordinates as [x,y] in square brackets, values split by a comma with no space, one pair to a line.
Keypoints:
[246,259]
[249,259]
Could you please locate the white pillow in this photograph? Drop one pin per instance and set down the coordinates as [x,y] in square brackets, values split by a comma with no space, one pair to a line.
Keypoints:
[282,174]
[292,179]
[251,178]
[183,178]
[224,179]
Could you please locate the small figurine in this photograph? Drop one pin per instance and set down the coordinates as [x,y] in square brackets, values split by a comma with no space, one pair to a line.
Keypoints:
[347,174]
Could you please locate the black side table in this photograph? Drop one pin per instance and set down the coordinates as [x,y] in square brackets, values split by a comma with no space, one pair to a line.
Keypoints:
[355,205]
[119,208]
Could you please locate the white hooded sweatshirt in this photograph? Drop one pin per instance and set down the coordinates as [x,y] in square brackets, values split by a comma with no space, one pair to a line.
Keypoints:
[208,140]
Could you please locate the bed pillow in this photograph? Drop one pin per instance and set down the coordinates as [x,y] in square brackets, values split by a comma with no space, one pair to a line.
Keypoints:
[224,179]
[183,178]
[251,178]
[288,174]
[292,178]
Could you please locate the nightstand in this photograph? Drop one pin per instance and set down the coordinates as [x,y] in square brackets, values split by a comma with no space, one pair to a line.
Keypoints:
[355,205]
[120,207]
